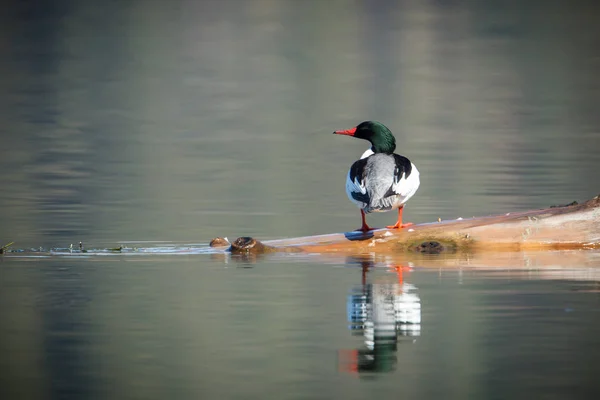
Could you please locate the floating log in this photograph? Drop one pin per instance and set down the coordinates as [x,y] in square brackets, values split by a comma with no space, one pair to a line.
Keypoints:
[569,227]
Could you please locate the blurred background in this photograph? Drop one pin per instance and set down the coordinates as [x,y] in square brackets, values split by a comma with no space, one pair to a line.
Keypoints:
[185,120]
[178,121]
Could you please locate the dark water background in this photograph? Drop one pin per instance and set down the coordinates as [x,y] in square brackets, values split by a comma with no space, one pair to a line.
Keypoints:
[179,121]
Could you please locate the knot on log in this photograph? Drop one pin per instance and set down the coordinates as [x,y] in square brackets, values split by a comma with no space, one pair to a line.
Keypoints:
[430,247]
[438,245]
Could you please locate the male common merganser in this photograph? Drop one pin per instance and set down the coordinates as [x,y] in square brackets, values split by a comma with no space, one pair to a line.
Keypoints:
[381,180]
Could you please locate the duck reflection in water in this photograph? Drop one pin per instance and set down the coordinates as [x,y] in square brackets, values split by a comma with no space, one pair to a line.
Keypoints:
[384,312]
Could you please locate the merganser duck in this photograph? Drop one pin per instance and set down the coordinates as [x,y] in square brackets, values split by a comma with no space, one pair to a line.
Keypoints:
[381,180]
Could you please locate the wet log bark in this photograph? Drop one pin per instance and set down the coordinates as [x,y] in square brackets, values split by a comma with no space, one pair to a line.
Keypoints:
[574,226]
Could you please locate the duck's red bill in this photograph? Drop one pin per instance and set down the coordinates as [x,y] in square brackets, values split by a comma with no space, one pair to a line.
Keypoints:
[349,132]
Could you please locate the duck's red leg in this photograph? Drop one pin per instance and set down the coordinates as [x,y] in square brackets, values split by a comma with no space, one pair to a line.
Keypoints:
[399,269]
[364,227]
[399,224]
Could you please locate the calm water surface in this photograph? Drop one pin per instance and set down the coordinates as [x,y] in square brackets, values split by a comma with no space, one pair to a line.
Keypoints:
[178,121]
[195,327]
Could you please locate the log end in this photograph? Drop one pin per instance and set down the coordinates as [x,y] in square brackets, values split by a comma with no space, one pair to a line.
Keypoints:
[247,245]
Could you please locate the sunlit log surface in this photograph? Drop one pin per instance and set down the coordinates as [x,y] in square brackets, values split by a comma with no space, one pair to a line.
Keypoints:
[571,227]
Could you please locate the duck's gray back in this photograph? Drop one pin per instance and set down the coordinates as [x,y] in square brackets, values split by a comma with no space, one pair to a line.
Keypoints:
[379,177]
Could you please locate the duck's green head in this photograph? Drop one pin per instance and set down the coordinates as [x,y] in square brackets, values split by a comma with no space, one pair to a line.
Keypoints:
[381,138]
